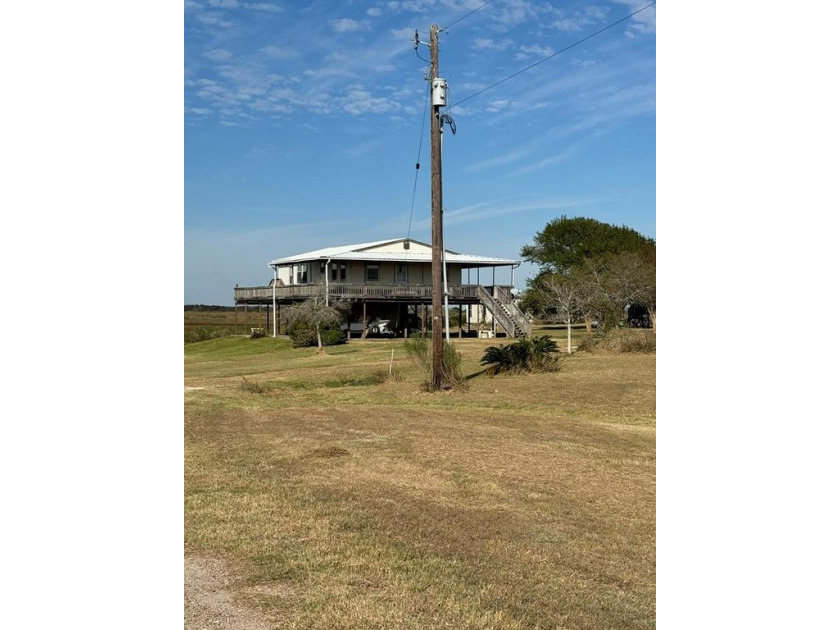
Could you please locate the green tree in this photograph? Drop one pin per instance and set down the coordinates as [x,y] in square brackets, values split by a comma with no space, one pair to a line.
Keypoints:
[595,267]
[567,243]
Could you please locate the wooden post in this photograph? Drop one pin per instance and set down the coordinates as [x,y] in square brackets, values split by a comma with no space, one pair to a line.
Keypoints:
[437,221]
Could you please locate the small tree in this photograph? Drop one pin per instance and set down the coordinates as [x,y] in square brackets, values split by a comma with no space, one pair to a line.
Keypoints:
[314,314]
[563,299]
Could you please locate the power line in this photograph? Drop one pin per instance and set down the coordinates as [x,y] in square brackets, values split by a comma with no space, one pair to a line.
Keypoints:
[417,165]
[617,22]
[467,15]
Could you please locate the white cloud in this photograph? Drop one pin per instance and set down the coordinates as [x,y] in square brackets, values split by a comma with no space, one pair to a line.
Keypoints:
[506,158]
[358,100]
[263,6]
[513,12]
[322,73]
[346,25]
[280,53]
[562,157]
[214,18]
[404,34]
[202,111]
[567,25]
[598,13]
[481,43]
[414,6]
[539,51]
[497,105]
[644,22]
[224,4]
[374,12]
[485,209]
[219,54]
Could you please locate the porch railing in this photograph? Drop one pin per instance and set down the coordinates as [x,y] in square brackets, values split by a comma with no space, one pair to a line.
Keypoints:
[355,291]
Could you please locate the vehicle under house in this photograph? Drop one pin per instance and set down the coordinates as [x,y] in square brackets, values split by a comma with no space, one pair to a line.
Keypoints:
[391,280]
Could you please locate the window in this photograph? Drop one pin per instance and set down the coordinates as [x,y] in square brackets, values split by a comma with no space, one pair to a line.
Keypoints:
[301,274]
[372,271]
[336,268]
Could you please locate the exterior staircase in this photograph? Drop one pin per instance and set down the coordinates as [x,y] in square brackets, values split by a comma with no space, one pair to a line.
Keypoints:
[507,314]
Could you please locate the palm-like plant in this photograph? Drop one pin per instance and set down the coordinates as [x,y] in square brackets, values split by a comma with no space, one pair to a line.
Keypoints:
[535,354]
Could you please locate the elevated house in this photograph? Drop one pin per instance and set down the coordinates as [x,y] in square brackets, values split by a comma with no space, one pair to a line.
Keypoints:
[392,279]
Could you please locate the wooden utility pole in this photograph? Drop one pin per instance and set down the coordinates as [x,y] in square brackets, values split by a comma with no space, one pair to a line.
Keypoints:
[437,222]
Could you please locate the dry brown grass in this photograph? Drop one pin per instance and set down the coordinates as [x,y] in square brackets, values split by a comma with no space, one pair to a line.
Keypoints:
[520,502]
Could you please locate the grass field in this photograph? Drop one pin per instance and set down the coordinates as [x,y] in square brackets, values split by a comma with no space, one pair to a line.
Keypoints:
[346,497]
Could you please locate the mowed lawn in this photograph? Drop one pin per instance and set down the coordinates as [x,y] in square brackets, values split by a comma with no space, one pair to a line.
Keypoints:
[342,498]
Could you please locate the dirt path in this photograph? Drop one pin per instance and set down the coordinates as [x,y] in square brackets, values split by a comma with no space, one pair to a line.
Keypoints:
[209,602]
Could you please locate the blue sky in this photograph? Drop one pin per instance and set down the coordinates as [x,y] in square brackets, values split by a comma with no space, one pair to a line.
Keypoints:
[303,122]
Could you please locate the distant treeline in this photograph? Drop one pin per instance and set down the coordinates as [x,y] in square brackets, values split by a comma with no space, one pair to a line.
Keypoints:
[206,307]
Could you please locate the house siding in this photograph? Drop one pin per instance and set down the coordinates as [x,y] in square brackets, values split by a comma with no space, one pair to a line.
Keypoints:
[416,273]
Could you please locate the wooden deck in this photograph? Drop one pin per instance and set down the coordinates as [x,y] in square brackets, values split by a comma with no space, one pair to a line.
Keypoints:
[412,293]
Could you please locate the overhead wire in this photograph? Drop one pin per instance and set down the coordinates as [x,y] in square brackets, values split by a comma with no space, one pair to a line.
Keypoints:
[616,23]
[467,15]
[417,165]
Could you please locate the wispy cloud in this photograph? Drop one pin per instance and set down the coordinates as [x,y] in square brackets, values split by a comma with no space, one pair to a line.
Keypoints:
[497,106]
[213,18]
[218,54]
[263,6]
[530,168]
[497,208]
[223,4]
[576,21]
[528,52]
[501,160]
[487,43]
[644,22]
[346,25]
[275,52]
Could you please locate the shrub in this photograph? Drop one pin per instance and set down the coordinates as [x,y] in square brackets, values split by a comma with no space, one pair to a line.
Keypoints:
[417,347]
[588,344]
[203,333]
[620,340]
[303,335]
[533,354]
[382,375]
[629,340]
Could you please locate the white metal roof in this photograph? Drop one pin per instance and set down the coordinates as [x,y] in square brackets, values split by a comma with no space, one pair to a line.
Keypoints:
[367,251]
